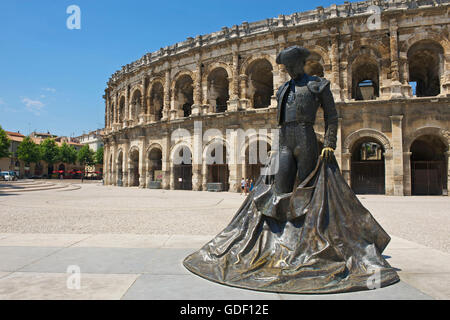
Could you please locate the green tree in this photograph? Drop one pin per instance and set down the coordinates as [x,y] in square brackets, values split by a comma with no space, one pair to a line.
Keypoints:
[28,151]
[86,156]
[4,143]
[67,154]
[99,156]
[49,151]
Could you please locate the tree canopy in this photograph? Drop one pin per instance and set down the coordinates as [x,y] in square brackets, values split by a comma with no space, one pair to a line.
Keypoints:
[99,156]
[49,151]
[28,151]
[86,156]
[4,143]
[67,154]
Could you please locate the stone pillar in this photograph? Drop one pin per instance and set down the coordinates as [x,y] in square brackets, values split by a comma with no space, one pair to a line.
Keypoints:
[346,166]
[447,162]
[125,165]
[166,166]
[397,149]
[338,151]
[106,160]
[396,86]
[204,173]
[166,106]
[407,188]
[335,72]
[196,107]
[196,177]
[233,102]
[234,166]
[388,172]
[243,82]
[142,163]
[445,78]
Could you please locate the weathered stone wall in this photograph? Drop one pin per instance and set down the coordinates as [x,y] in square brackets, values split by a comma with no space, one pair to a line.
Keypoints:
[348,45]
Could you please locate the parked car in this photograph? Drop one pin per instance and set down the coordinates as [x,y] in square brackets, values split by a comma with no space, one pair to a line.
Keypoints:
[9,175]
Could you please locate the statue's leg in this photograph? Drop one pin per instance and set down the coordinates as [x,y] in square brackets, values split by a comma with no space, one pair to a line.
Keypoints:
[285,177]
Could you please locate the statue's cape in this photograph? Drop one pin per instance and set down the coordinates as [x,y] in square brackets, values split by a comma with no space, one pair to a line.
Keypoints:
[317,239]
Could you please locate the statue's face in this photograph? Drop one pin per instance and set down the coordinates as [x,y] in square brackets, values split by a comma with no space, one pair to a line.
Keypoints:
[296,69]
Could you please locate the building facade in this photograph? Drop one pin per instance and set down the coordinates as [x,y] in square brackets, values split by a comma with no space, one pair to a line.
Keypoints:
[389,67]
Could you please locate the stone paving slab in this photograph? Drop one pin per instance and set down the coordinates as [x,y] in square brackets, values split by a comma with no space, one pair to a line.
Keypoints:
[188,287]
[435,285]
[41,240]
[15,258]
[49,286]
[123,241]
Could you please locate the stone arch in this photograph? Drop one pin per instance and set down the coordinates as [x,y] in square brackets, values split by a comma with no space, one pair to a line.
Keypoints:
[259,81]
[183,92]
[252,58]
[211,143]
[176,148]
[156,99]
[214,65]
[217,87]
[121,108]
[442,133]
[318,62]
[429,35]
[136,103]
[181,173]
[352,138]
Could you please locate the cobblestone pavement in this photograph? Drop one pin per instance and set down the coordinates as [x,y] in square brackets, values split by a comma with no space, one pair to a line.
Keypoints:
[105,209]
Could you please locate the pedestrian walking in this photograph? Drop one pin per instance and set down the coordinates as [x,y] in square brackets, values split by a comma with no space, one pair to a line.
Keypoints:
[242,186]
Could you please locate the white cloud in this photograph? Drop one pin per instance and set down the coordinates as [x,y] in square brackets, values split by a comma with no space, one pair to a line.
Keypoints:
[2,102]
[34,106]
[49,89]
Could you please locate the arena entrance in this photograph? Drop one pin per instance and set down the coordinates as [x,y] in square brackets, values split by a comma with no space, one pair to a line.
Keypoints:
[182,172]
[367,168]
[428,166]
[134,168]
[155,165]
[217,171]
[120,169]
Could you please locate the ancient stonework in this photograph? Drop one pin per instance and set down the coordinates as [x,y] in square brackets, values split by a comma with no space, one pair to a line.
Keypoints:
[389,73]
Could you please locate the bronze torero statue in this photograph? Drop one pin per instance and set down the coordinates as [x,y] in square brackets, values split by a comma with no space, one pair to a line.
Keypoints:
[301,229]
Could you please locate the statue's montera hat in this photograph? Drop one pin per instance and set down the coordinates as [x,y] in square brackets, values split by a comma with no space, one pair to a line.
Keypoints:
[291,54]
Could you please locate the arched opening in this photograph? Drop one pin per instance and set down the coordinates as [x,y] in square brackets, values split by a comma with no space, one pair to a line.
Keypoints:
[425,59]
[368,167]
[260,83]
[313,65]
[157,101]
[136,105]
[428,167]
[217,166]
[120,169]
[218,89]
[182,169]
[256,157]
[184,95]
[365,78]
[155,165]
[122,109]
[134,168]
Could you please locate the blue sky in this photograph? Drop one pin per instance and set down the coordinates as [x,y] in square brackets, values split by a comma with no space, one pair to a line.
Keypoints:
[52,78]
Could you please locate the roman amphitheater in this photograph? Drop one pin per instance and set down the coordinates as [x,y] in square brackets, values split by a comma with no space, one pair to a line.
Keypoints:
[389,67]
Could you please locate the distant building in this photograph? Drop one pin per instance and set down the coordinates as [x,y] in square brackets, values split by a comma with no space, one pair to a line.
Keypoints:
[40,169]
[95,141]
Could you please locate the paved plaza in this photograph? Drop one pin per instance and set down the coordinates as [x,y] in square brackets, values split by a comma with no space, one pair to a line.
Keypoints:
[128,243]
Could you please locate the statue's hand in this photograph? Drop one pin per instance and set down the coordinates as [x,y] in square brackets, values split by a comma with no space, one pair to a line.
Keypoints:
[327,153]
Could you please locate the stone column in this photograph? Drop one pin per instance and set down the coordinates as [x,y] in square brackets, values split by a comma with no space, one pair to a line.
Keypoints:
[196,107]
[346,166]
[125,165]
[338,151]
[196,177]
[244,101]
[407,190]
[204,174]
[396,86]
[335,72]
[233,102]
[397,149]
[447,162]
[388,172]
[166,106]
[142,163]
[166,163]
[106,160]
[234,166]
